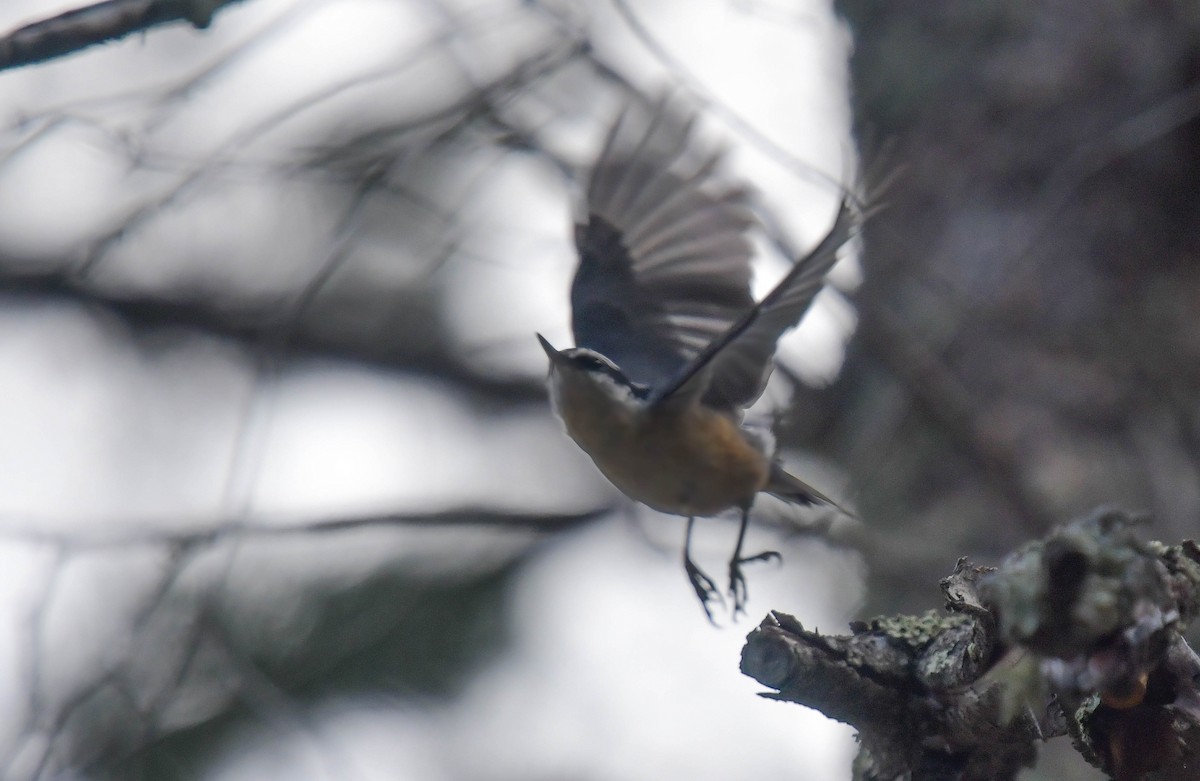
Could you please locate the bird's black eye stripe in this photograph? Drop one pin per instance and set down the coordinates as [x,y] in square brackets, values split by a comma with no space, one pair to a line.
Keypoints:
[590,362]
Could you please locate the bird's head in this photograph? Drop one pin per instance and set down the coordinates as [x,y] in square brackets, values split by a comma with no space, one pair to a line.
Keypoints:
[588,371]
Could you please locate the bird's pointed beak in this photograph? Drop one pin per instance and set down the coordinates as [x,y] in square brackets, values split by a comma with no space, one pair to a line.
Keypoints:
[554,355]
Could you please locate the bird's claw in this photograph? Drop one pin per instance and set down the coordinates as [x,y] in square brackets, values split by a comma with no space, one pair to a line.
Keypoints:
[737,580]
[767,555]
[706,589]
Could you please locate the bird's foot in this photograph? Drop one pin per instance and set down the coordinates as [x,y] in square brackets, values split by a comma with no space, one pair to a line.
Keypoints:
[706,589]
[737,580]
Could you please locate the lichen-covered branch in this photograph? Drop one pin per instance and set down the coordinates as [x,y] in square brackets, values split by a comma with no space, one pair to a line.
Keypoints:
[1079,634]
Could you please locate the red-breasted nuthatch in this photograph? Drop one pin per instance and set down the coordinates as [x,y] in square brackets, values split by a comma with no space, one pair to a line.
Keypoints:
[671,347]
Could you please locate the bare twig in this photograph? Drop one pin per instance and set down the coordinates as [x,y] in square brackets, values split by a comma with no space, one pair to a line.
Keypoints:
[80,28]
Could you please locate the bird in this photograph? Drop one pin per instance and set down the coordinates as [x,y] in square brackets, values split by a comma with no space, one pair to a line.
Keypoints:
[670,345]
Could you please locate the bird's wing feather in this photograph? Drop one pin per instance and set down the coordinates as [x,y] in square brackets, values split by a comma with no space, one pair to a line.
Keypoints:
[733,368]
[664,259]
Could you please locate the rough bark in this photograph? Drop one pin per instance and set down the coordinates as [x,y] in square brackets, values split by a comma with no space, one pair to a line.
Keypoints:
[1077,634]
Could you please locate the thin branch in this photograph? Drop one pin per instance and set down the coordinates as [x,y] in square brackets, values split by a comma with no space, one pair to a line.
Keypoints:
[801,169]
[157,534]
[80,28]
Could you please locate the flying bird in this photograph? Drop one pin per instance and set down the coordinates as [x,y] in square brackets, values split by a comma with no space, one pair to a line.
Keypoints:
[671,347]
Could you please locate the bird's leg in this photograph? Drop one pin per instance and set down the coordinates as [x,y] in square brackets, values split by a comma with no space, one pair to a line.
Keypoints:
[737,581]
[706,589]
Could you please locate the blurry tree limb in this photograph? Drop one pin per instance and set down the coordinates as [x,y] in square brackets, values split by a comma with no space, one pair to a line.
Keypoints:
[80,28]
[1077,634]
[247,528]
[934,387]
[260,329]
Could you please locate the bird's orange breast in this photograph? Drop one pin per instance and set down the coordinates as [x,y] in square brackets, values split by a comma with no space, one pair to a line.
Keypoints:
[683,460]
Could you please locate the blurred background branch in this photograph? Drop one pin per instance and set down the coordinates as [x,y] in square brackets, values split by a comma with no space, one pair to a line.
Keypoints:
[97,23]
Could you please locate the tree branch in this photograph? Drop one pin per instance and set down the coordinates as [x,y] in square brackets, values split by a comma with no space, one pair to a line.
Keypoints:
[80,28]
[1079,633]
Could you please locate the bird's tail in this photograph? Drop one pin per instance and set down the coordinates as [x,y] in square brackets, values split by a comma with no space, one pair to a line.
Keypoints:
[790,488]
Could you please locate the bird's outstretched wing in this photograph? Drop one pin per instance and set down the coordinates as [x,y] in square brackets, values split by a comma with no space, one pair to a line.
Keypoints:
[664,259]
[733,369]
